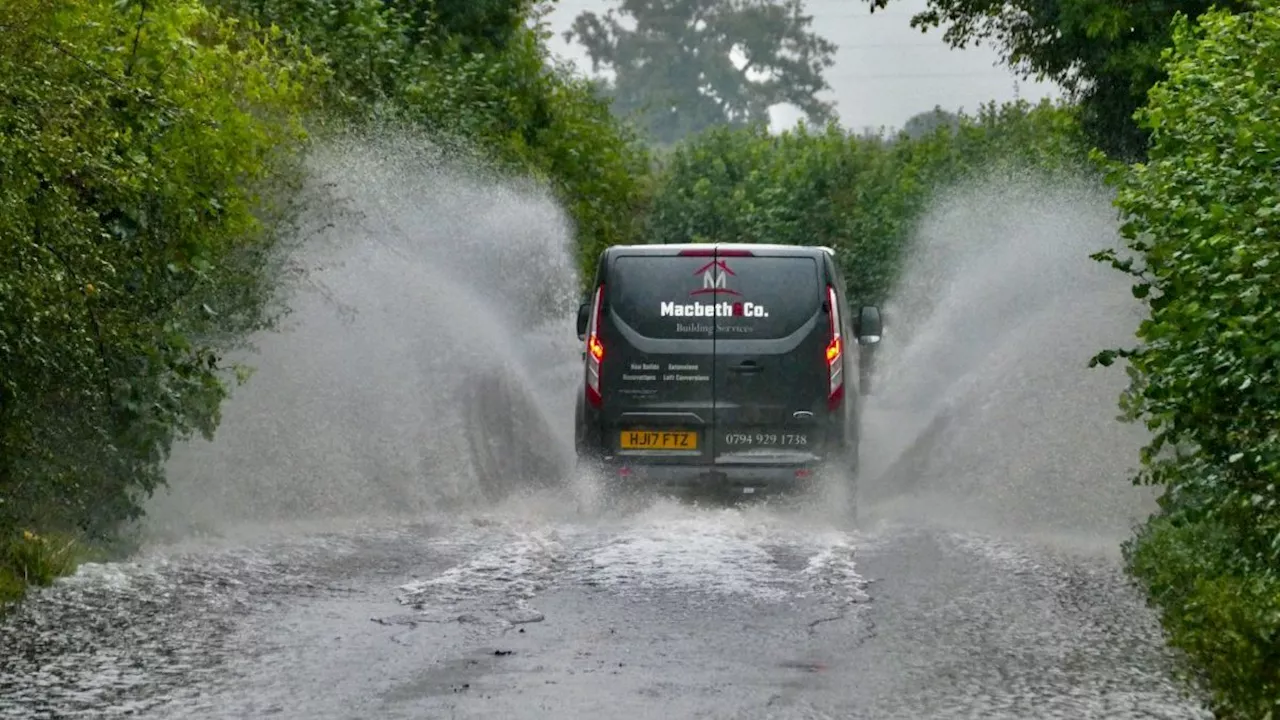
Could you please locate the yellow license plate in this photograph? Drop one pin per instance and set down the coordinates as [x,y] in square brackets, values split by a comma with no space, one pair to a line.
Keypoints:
[659,440]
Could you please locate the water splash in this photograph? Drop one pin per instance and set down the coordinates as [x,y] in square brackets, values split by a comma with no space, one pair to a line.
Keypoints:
[435,317]
[985,413]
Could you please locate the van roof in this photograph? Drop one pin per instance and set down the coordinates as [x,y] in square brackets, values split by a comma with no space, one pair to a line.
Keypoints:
[668,248]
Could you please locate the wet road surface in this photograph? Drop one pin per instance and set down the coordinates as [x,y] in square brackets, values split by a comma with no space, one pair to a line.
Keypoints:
[543,610]
[673,610]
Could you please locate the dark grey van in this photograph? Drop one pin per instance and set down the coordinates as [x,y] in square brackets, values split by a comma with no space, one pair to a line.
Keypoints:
[721,364]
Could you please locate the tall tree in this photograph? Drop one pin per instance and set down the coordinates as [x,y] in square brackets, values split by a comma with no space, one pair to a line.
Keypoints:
[693,64]
[927,122]
[1104,53]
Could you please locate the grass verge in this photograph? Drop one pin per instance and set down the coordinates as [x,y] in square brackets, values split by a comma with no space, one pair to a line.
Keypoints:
[31,559]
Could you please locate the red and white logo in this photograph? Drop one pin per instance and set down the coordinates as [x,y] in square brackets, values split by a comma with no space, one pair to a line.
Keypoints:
[714,279]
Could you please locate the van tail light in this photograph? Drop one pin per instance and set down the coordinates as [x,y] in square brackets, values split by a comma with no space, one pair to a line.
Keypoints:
[835,354]
[595,351]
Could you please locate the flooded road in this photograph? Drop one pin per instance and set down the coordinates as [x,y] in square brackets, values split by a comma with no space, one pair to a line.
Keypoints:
[983,579]
[666,611]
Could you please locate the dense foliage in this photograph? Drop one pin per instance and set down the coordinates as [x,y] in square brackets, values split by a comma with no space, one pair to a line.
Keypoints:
[1104,53]
[1203,215]
[146,164]
[858,194]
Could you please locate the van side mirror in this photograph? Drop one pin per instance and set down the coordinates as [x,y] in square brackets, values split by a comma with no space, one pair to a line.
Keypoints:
[584,314]
[870,325]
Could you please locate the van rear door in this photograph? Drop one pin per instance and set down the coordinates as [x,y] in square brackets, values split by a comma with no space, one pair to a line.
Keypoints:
[772,381]
[659,346]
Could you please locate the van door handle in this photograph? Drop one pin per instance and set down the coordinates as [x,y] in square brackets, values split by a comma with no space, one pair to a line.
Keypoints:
[748,366]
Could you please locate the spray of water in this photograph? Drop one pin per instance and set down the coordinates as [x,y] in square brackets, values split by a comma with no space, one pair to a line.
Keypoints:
[985,413]
[427,360]
[432,362]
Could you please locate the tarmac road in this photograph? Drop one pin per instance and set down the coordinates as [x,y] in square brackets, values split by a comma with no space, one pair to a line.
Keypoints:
[541,610]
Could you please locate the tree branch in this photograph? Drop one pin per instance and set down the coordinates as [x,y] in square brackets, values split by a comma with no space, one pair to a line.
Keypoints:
[137,37]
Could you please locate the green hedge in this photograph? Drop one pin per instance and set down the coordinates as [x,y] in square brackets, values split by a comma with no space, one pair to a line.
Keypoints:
[862,195]
[1203,217]
[147,158]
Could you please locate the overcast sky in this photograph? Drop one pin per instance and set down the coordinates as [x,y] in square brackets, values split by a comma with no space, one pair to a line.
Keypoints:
[884,71]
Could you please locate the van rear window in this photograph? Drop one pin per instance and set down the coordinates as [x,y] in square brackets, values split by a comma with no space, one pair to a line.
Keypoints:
[746,298]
